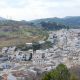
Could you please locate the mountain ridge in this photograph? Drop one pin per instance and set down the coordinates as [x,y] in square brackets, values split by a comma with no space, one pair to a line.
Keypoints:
[72,21]
[1,18]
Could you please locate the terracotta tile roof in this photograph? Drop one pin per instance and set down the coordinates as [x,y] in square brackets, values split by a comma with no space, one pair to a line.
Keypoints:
[36,53]
[5,75]
[20,74]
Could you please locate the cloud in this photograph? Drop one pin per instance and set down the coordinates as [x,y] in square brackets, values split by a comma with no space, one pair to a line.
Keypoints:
[35,9]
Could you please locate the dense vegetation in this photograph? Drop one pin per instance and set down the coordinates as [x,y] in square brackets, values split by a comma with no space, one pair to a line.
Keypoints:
[61,72]
[45,45]
[72,22]
[50,25]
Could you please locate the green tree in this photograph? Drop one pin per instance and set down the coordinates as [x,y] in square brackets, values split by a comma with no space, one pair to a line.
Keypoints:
[59,73]
[30,57]
[73,77]
[47,76]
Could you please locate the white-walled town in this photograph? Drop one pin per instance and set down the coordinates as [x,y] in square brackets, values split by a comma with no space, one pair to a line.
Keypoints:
[22,65]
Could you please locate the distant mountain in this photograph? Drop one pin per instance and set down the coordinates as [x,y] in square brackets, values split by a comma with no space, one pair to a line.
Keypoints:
[72,21]
[2,18]
[23,21]
[71,16]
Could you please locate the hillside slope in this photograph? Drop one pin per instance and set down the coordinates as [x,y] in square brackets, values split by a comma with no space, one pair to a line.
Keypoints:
[14,33]
[72,21]
[10,29]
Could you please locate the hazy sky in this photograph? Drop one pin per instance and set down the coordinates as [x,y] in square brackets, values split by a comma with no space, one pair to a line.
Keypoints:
[36,9]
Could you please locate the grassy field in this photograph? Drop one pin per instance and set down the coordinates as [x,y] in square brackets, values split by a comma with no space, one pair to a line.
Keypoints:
[28,37]
[19,41]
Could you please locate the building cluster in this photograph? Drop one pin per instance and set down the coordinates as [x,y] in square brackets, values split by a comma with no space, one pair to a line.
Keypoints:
[27,65]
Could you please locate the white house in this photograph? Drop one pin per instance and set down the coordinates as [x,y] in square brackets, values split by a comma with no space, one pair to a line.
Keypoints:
[4,49]
[41,42]
[41,61]
[48,55]
[37,55]
[29,45]
[11,49]
[38,61]
[7,64]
